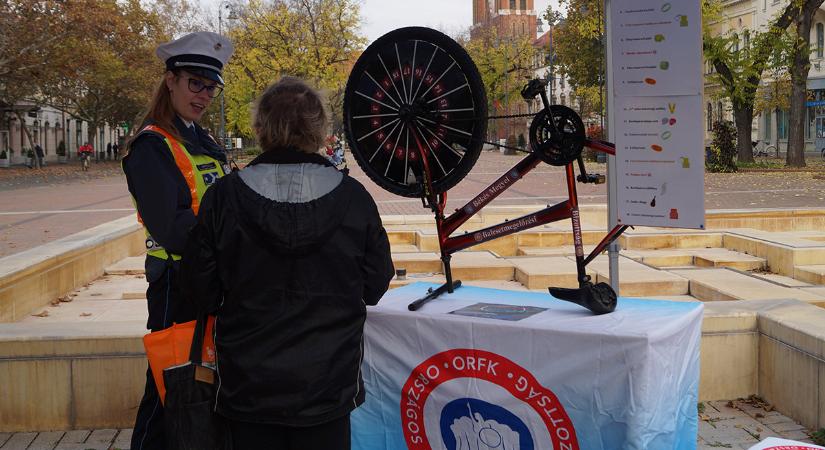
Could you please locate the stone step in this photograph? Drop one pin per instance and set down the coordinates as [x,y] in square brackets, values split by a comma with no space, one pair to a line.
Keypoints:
[726,284]
[565,250]
[481,265]
[648,239]
[132,265]
[404,248]
[541,272]
[660,258]
[814,273]
[421,262]
[640,280]
[720,257]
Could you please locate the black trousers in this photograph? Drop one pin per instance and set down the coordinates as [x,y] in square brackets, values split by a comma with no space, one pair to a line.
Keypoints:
[166,306]
[333,435]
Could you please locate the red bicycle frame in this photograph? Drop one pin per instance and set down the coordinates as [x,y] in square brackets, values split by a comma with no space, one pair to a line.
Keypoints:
[568,209]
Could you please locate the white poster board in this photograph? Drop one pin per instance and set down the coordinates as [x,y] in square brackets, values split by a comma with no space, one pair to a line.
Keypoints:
[658,123]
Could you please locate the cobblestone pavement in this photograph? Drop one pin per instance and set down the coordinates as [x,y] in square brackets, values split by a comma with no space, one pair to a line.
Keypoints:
[736,424]
[38,206]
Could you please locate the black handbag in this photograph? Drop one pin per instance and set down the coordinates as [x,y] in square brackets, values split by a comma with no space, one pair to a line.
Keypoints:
[189,416]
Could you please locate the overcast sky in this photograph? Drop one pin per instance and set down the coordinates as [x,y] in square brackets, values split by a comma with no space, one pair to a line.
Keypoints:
[451,16]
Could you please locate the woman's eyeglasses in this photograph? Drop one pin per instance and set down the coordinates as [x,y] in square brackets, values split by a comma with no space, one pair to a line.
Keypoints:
[212,90]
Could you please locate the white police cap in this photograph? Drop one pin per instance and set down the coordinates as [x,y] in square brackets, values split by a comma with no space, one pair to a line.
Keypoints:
[202,53]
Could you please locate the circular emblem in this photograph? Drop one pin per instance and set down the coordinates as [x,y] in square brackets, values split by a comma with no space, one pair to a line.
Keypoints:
[476,421]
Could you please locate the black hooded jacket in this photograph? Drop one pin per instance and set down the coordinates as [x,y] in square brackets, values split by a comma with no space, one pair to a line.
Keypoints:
[289,283]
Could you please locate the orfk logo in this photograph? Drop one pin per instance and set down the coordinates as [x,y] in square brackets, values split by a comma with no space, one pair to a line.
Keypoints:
[470,423]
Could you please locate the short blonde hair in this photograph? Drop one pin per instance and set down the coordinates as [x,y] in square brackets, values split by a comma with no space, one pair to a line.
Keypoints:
[290,113]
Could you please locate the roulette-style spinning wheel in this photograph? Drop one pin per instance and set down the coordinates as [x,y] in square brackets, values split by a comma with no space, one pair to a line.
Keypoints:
[415,81]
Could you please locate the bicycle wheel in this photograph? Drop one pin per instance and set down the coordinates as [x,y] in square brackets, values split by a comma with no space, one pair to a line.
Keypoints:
[415,85]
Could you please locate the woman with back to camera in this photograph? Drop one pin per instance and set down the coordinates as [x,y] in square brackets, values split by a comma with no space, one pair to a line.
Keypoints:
[169,165]
[287,253]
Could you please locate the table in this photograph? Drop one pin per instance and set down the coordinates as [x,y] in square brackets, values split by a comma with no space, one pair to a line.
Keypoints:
[527,372]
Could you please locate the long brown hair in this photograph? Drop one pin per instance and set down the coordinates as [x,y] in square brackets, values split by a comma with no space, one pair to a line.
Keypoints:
[160,110]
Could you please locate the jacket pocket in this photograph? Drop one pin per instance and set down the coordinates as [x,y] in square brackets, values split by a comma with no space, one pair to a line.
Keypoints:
[155,268]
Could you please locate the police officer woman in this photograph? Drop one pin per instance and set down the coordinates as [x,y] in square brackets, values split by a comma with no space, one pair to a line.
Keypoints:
[169,165]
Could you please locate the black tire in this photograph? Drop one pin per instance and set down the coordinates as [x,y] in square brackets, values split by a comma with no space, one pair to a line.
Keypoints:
[377,100]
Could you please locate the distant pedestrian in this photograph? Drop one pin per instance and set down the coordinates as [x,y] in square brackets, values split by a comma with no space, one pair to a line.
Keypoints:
[109,151]
[116,151]
[38,153]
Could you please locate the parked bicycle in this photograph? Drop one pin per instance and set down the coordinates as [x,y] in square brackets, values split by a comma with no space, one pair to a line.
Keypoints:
[764,149]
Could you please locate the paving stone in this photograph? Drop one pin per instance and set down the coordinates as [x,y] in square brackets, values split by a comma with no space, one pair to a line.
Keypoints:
[103,436]
[46,440]
[786,426]
[123,440]
[75,437]
[19,441]
[4,437]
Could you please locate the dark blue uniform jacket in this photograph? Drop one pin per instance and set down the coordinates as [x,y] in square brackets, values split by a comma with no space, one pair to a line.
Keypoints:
[159,189]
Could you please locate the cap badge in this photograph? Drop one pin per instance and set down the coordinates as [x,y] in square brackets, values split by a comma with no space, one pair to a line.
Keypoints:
[218,46]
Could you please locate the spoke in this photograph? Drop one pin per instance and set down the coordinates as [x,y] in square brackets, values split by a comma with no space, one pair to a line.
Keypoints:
[390,77]
[384,141]
[467,85]
[415,96]
[392,153]
[454,110]
[432,152]
[407,157]
[445,126]
[377,130]
[436,81]
[401,72]
[376,101]
[382,89]
[442,141]
[372,116]
[412,71]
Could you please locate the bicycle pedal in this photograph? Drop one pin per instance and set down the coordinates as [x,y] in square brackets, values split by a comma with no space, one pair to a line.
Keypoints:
[598,178]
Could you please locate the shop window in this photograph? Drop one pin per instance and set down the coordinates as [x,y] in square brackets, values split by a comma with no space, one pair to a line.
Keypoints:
[782,123]
[820,39]
[710,117]
[768,126]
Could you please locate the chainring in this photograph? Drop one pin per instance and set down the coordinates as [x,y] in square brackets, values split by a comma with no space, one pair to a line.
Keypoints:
[559,145]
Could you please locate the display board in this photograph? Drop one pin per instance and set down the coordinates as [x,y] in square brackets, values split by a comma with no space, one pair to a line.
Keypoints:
[657,101]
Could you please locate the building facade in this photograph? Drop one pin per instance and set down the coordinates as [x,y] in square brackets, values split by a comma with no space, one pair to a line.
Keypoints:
[740,18]
[48,127]
[510,19]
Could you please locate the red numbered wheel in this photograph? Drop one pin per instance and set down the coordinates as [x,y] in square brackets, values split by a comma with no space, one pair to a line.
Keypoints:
[415,90]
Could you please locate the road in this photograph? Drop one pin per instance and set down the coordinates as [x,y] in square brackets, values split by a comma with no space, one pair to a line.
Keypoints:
[39,207]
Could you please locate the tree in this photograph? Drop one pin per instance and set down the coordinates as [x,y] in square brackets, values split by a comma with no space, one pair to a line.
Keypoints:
[774,93]
[118,72]
[578,50]
[801,65]
[505,65]
[316,40]
[33,38]
[739,73]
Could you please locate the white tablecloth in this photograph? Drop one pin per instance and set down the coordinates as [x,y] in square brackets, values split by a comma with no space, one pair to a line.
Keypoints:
[560,378]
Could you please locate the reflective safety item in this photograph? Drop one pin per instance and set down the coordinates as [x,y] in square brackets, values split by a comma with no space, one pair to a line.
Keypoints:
[199,171]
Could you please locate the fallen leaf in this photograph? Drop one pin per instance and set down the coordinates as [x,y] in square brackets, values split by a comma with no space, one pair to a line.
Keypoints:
[66,299]
[85,314]
[42,314]
[55,302]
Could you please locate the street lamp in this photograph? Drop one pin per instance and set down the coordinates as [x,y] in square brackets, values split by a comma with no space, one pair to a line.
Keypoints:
[222,130]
